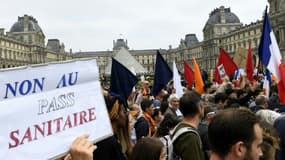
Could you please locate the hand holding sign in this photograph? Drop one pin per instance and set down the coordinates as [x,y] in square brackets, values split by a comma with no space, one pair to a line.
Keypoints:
[81,149]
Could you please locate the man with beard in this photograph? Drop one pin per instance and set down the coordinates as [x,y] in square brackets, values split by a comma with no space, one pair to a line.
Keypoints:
[235,134]
[187,144]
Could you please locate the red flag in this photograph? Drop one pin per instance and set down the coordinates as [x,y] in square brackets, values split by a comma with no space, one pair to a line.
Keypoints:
[199,84]
[188,74]
[227,63]
[249,65]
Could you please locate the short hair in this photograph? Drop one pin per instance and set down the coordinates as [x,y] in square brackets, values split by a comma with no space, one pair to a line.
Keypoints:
[146,103]
[172,96]
[168,123]
[220,97]
[260,99]
[155,112]
[189,103]
[147,148]
[230,126]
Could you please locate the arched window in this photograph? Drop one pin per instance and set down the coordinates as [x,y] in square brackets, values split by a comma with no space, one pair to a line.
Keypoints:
[278,36]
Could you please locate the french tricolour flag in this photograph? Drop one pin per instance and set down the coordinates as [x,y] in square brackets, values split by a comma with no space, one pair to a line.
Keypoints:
[270,55]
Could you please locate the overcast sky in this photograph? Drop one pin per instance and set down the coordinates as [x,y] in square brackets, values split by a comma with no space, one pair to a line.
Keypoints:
[92,25]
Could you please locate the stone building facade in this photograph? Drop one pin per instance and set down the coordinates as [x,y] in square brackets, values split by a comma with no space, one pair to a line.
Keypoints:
[223,29]
[145,57]
[25,44]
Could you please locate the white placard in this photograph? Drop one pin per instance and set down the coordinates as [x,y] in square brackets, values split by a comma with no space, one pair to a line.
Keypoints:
[43,124]
[222,71]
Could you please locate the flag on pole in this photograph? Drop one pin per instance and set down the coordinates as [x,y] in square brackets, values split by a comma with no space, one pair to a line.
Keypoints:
[249,64]
[188,74]
[177,81]
[199,84]
[122,80]
[226,64]
[270,55]
[162,74]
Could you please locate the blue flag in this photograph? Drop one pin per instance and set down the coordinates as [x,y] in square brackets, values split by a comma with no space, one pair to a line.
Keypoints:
[122,80]
[162,74]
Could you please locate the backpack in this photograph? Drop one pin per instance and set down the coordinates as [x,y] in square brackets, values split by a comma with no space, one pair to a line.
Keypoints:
[166,140]
[180,132]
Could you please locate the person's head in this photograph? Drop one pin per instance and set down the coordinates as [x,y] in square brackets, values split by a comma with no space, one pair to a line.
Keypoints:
[220,100]
[190,105]
[261,100]
[173,101]
[267,115]
[147,106]
[135,110]
[119,120]
[157,116]
[209,113]
[231,93]
[163,106]
[148,148]
[236,133]
[270,141]
[117,111]
[167,124]
[160,95]
[207,87]
[205,100]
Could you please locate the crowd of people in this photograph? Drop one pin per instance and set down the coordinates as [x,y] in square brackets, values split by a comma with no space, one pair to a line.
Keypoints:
[226,122]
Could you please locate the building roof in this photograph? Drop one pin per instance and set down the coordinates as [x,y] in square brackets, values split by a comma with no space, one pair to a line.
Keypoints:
[119,44]
[125,58]
[54,45]
[31,22]
[190,40]
[215,16]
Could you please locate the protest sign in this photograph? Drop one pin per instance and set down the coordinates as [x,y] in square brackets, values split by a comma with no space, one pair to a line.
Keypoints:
[240,57]
[222,71]
[42,112]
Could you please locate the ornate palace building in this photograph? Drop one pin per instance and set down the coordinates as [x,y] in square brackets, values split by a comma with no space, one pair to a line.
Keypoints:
[223,29]
[25,44]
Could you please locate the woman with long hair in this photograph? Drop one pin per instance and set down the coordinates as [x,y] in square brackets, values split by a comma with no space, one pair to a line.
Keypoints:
[117,147]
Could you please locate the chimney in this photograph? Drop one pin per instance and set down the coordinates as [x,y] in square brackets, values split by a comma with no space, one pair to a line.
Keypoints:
[2,30]
[222,15]
[26,23]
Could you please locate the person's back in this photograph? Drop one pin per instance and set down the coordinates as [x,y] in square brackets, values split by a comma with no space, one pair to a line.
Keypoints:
[141,128]
[163,133]
[187,144]
[108,149]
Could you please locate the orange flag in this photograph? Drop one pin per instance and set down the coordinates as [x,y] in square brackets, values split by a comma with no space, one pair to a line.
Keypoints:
[199,84]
